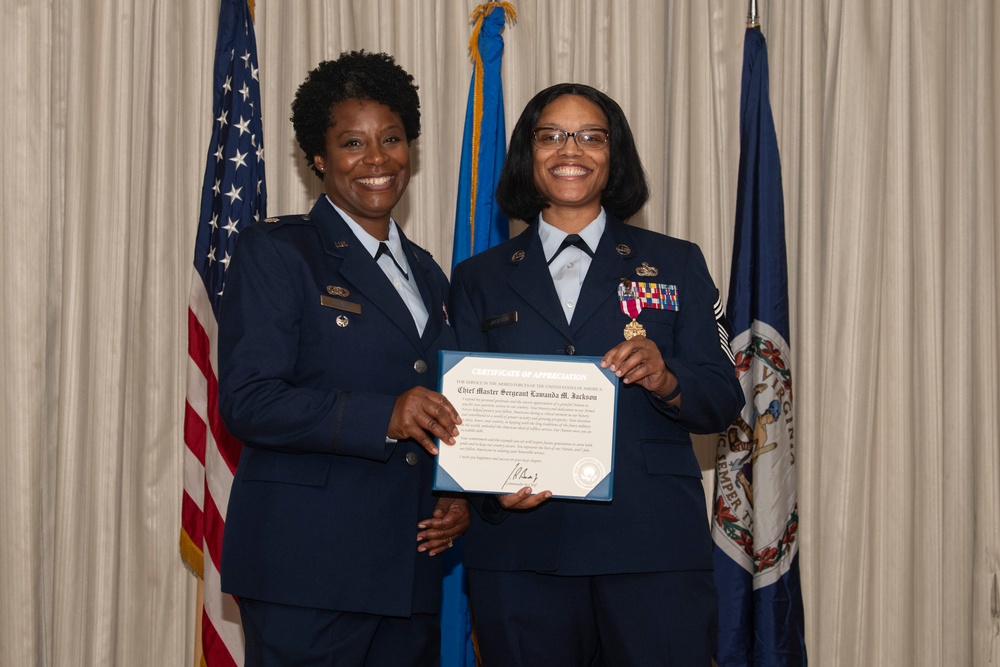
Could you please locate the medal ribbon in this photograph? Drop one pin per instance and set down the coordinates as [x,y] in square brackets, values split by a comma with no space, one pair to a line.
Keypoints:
[628,300]
[657,295]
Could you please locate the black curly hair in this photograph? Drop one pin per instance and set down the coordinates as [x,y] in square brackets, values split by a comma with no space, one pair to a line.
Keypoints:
[353,75]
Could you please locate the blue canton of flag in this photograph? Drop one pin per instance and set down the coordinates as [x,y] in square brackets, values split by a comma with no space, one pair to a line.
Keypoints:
[233,194]
[756,511]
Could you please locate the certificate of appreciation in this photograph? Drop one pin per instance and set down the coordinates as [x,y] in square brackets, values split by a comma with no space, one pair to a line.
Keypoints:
[547,422]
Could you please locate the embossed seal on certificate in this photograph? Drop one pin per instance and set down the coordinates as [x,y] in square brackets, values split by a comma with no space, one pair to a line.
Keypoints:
[588,472]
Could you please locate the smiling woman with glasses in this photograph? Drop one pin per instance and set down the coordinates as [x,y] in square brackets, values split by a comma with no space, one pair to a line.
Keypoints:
[593,139]
[570,582]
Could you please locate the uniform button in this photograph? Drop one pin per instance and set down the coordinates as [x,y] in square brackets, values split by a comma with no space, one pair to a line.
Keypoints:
[569,304]
[420,366]
[411,458]
[570,349]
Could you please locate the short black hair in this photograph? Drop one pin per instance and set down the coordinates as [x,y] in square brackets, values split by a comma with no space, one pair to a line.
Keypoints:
[353,75]
[627,190]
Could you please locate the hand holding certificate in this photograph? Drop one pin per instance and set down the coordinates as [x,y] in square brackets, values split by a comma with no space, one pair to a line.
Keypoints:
[546,422]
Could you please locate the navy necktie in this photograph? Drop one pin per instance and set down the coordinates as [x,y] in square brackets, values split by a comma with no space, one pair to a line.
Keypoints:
[572,240]
[383,249]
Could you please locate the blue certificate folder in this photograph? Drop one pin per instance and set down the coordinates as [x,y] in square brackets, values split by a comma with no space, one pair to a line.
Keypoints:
[585,477]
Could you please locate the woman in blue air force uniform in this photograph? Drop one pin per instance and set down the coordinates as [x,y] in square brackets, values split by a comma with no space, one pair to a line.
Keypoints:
[629,582]
[327,354]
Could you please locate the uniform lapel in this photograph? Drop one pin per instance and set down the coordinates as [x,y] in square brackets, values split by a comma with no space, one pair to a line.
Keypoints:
[430,289]
[532,281]
[360,270]
[610,264]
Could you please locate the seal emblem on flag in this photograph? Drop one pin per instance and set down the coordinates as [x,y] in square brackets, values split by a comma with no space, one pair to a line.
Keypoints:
[764,541]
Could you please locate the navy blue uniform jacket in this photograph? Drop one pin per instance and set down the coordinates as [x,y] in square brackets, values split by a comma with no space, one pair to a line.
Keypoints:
[323,513]
[657,520]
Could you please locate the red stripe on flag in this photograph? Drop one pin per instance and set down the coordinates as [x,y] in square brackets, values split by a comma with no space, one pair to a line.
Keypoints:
[199,348]
[195,432]
[229,447]
[215,650]
[214,526]
[191,520]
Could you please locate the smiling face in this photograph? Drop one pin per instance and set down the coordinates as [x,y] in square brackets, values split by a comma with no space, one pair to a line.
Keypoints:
[569,178]
[367,163]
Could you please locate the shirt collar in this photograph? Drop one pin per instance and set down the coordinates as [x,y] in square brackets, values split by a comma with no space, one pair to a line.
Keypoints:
[370,242]
[552,237]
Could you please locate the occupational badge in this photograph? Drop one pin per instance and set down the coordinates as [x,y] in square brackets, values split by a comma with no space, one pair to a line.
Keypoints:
[647,271]
[337,290]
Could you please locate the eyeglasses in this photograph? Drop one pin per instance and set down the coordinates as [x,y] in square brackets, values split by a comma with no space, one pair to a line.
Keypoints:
[553,138]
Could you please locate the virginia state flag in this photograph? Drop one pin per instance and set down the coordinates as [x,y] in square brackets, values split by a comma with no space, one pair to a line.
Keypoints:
[479,224]
[756,511]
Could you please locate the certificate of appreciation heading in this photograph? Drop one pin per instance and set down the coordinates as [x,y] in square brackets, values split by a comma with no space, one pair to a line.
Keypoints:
[547,422]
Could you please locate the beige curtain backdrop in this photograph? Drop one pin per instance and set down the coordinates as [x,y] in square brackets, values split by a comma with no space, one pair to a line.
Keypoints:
[886,115]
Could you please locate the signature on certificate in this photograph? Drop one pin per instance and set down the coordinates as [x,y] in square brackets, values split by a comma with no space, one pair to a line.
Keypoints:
[521,476]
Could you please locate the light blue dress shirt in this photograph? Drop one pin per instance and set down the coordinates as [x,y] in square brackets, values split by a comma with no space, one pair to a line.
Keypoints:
[570,268]
[405,285]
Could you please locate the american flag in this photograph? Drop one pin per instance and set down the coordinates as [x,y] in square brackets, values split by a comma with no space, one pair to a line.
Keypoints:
[233,196]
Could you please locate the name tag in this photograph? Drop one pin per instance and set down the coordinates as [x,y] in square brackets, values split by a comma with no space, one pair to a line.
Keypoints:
[498,321]
[340,304]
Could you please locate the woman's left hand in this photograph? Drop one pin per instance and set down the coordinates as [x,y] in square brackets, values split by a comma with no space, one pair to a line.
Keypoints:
[451,519]
[638,361]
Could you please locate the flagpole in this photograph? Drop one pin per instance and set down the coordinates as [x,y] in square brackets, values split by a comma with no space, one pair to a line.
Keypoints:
[753,17]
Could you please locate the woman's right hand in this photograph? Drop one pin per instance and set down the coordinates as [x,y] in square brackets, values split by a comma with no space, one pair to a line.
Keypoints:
[419,412]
